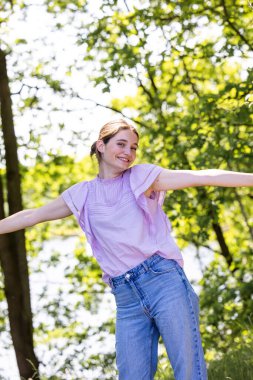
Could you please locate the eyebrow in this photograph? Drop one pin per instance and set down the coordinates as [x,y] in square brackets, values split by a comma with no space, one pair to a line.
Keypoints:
[126,141]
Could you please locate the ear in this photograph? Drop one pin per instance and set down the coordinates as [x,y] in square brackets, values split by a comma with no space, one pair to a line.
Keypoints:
[100,146]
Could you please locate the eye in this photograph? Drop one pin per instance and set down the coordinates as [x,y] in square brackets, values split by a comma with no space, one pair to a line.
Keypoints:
[134,149]
[121,144]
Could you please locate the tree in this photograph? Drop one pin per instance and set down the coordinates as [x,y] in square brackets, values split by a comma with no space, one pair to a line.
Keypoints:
[12,246]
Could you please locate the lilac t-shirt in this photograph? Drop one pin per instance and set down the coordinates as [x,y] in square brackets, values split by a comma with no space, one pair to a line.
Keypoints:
[123,226]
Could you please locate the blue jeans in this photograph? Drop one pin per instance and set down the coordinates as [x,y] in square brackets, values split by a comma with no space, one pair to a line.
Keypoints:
[156,299]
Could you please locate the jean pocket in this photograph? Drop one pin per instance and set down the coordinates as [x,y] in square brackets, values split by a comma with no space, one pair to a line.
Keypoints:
[114,290]
[119,288]
[163,266]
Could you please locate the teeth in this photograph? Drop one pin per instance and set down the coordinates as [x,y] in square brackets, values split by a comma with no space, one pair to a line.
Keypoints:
[123,159]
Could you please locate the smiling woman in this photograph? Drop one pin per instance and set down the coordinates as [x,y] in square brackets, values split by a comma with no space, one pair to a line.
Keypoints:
[127,137]
[121,213]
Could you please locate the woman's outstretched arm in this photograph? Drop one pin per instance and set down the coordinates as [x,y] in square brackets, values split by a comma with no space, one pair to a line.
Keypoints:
[56,209]
[180,179]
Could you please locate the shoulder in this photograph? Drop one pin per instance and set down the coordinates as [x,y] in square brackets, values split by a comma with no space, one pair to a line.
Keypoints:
[143,171]
[144,168]
[78,186]
[142,177]
[76,192]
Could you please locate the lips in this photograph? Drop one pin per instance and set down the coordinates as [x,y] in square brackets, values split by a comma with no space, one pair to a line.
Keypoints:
[123,159]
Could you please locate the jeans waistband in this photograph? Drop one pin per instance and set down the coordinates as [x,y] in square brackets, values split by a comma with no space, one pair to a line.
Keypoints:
[136,271]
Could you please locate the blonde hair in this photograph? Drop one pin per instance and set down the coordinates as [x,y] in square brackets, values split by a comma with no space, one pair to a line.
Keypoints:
[109,130]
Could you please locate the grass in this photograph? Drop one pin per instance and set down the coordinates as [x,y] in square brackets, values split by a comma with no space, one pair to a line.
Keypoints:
[236,364]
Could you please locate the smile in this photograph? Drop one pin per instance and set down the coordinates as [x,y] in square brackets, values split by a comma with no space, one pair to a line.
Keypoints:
[123,159]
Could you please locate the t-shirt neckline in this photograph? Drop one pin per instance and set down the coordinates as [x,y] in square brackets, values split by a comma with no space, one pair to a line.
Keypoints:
[109,180]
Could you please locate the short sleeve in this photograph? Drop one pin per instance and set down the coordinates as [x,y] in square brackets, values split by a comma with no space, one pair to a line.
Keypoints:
[75,197]
[141,178]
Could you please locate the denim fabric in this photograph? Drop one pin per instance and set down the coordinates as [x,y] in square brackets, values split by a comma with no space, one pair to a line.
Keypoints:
[155,298]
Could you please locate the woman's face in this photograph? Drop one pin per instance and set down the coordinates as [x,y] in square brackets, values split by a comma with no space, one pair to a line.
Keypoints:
[120,151]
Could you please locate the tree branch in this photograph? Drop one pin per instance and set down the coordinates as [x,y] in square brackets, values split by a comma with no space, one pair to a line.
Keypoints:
[233,26]
[113,109]
[127,7]
[194,88]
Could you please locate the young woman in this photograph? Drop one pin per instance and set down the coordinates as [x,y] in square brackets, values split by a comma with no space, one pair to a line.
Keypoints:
[121,213]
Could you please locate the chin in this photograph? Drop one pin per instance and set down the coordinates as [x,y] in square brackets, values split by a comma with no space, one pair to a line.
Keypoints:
[124,164]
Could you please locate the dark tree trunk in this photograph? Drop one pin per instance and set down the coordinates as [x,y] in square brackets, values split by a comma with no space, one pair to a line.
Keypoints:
[12,246]
[222,242]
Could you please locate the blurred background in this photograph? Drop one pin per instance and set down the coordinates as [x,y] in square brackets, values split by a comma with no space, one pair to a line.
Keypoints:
[181,72]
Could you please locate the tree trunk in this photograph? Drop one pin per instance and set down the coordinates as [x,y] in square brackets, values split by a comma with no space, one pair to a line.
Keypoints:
[222,242]
[12,246]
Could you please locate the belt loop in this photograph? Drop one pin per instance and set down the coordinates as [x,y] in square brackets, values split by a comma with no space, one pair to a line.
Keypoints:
[145,266]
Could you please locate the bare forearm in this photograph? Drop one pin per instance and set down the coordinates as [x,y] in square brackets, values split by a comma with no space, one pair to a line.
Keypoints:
[180,179]
[217,177]
[56,209]
[17,221]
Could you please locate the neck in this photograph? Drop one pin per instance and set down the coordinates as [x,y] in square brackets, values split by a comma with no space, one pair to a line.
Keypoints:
[108,173]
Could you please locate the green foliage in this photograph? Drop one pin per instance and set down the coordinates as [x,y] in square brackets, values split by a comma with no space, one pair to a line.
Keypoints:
[226,304]
[86,277]
[63,5]
[164,369]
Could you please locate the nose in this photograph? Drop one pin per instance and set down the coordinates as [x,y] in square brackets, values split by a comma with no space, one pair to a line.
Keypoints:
[128,150]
